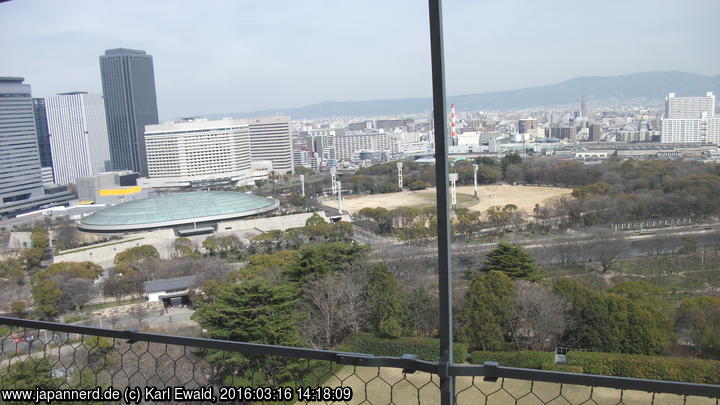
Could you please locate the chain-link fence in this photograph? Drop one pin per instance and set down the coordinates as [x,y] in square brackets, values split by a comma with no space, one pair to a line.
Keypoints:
[56,356]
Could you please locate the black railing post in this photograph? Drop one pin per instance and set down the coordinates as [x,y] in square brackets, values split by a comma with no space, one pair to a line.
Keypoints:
[447,382]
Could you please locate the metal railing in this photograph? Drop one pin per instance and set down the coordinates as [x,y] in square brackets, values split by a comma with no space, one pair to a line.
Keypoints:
[79,357]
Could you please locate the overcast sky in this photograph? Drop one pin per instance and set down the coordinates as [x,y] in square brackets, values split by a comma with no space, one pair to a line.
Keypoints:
[226,56]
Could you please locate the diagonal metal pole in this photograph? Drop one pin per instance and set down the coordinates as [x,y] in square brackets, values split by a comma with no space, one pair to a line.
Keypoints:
[447,382]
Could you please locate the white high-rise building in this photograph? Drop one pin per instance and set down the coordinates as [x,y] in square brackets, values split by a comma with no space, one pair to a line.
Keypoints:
[78,136]
[270,140]
[690,119]
[689,107]
[198,152]
[351,142]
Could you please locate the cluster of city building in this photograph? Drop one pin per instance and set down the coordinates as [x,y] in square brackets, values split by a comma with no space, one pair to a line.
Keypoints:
[686,127]
[112,148]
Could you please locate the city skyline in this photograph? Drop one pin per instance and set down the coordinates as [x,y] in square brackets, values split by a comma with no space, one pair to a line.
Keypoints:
[298,54]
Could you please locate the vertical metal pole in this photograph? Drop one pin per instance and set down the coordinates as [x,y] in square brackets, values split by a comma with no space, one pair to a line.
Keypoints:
[447,383]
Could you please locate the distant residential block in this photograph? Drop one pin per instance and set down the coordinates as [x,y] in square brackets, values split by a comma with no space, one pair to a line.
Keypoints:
[690,119]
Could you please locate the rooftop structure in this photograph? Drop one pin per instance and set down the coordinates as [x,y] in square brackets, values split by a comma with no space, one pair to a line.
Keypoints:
[110,188]
[175,210]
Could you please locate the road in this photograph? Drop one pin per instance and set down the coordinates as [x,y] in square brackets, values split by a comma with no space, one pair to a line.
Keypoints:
[390,249]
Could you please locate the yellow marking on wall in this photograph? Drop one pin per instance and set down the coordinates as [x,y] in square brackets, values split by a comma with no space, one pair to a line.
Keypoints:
[120,191]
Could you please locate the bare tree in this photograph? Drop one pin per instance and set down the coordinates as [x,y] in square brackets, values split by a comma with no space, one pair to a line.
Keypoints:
[114,320]
[138,312]
[607,247]
[335,307]
[568,251]
[66,236]
[540,316]
[75,293]
[354,312]
[663,244]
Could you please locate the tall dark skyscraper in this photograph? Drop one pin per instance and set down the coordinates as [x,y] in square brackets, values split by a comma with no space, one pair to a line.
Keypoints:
[128,82]
[43,135]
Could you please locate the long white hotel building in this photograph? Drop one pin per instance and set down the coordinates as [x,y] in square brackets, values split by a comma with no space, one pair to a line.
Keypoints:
[198,152]
[690,119]
[78,136]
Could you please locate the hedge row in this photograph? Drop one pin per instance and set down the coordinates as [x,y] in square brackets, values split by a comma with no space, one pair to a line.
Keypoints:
[652,367]
[523,359]
[615,364]
[425,348]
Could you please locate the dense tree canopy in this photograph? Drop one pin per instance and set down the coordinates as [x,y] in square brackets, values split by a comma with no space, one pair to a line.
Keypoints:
[136,254]
[513,261]
[699,318]
[629,319]
[257,312]
[486,310]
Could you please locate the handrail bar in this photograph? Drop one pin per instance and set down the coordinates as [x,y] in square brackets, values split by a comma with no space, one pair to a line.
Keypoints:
[490,370]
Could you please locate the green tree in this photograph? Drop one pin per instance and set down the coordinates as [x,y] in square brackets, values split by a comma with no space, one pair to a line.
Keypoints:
[40,238]
[122,280]
[136,254]
[19,309]
[296,200]
[12,269]
[510,159]
[67,270]
[325,258]
[46,295]
[33,257]
[380,216]
[421,314]
[210,244]
[266,266]
[486,310]
[184,248]
[386,303]
[699,318]
[628,319]
[315,220]
[418,185]
[30,373]
[512,260]
[257,312]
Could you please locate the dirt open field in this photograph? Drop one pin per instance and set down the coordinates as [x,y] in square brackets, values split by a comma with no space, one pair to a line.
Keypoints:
[524,197]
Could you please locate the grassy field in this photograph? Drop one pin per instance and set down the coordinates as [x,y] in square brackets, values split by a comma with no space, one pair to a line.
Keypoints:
[386,385]
[524,197]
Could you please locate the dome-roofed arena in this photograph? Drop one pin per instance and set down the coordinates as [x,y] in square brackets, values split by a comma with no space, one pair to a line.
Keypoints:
[175,210]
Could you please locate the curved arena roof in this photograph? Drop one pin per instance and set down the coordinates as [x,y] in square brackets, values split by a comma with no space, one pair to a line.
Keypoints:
[176,209]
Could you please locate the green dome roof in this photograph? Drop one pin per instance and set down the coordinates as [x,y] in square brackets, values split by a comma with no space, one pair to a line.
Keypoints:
[177,209]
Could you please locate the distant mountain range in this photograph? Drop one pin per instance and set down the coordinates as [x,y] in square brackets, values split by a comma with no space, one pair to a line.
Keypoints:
[646,86]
